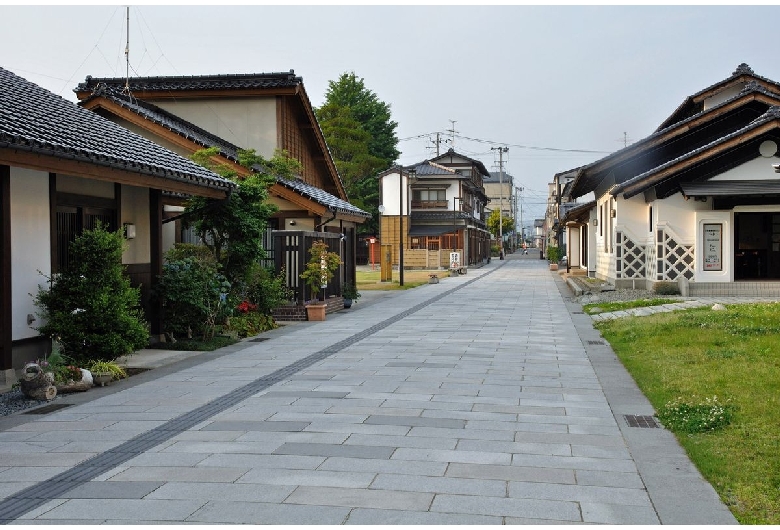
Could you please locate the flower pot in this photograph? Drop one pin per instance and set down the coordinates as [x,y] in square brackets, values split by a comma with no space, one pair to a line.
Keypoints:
[553,266]
[347,303]
[101,379]
[315,312]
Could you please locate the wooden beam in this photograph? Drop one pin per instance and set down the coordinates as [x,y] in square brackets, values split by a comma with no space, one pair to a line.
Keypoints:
[6,302]
[630,191]
[54,164]
[156,255]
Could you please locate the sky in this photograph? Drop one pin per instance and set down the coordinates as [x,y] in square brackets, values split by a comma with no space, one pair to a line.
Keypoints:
[559,86]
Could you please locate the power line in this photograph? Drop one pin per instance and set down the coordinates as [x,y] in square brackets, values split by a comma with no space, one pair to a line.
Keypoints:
[520,146]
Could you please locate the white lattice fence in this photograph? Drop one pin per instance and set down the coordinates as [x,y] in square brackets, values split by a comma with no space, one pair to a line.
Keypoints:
[630,257]
[673,258]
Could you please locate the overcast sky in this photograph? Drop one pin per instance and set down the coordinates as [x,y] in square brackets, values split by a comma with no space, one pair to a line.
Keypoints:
[559,79]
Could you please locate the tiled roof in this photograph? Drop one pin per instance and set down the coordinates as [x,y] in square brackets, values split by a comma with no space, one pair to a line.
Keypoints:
[206,139]
[750,88]
[772,114]
[322,197]
[36,120]
[427,169]
[452,153]
[188,83]
[497,177]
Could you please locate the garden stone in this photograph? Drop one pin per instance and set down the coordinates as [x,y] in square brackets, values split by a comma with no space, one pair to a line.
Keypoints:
[719,307]
[36,384]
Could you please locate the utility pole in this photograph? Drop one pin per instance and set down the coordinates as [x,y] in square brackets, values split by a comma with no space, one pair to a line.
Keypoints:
[501,151]
[437,143]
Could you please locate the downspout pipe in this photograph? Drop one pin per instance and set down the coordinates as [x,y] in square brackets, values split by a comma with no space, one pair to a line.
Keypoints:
[332,211]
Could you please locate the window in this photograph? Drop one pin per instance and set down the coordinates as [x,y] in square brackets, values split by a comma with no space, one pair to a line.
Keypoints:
[429,195]
[71,222]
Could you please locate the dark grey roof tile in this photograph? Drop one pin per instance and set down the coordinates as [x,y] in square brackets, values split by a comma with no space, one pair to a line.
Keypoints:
[36,120]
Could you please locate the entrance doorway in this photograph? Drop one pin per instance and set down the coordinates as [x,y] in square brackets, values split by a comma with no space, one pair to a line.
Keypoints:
[757,246]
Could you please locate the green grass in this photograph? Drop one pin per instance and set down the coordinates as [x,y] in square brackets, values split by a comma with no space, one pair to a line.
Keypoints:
[730,356]
[606,307]
[371,280]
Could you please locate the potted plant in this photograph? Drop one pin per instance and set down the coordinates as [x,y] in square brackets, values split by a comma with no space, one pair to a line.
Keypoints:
[103,372]
[350,294]
[319,271]
[553,256]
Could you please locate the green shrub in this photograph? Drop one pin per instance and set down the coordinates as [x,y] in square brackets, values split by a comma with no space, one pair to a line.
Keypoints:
[250,324]
[666,288]
[90,307]
[494,251]
[265,289]
[107,367]
[194,295]
[553,254]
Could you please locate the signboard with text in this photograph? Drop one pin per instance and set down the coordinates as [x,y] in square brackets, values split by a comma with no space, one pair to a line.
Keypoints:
[713,247]
[454,260]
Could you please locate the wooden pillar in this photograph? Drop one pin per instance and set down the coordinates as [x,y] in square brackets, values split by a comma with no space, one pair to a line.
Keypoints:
[6,310]
[156,255]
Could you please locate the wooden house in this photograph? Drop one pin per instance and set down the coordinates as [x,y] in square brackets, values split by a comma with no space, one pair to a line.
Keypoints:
[62,169]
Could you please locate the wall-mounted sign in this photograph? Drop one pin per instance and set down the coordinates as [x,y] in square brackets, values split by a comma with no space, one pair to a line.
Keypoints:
[713,247]
[454,260]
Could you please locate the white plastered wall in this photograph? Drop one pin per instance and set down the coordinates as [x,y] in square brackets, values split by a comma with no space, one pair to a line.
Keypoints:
[135,210]
[30,245]
[248,122]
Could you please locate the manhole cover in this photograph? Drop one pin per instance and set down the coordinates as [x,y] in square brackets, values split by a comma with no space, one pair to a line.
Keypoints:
[596,342]
[49,408]
[643,422]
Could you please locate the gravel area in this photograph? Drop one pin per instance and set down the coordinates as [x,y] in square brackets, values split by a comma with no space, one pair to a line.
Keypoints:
[14,401]
[595,291]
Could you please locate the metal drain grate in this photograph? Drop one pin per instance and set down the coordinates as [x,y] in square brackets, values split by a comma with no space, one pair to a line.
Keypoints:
[49,408]
[596,343]
[643,422]
[260,339]
[577,313]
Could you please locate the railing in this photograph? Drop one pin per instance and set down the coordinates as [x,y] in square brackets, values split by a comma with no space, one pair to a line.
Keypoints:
[430,204]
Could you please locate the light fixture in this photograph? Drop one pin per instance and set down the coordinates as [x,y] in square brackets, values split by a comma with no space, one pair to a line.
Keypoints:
[292,222]
[595,222]
[129,230]
[613,213]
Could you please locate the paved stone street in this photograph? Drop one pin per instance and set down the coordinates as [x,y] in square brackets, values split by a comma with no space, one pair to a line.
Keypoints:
[485,399]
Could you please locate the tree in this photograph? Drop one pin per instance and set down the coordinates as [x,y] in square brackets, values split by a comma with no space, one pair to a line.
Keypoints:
[362,139]
[90,307]
[233,228]
[507,223]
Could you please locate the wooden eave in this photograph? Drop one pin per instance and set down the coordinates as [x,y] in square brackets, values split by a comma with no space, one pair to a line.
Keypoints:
[741,80]
[53,164]
[669,172]
[320,140]
[152,95]
[158,130]
[625,155]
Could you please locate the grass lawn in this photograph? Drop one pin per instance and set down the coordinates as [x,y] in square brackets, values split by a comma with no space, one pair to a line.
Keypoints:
[370,280]
[697,354]
[607,307]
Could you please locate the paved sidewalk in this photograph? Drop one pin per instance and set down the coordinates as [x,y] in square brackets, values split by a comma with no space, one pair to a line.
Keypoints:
[485,399]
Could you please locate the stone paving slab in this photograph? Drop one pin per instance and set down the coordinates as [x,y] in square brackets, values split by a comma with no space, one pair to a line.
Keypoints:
[474,401]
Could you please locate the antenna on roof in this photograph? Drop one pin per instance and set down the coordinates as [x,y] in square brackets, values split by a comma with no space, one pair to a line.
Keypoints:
[127,55]
[452,133]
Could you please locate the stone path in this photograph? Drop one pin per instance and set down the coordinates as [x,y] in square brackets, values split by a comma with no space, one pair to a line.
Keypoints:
[484,399]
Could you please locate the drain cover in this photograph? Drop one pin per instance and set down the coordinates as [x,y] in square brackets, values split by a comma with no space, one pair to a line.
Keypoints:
[643,422]
[596,342]
[49,408]
[260,339]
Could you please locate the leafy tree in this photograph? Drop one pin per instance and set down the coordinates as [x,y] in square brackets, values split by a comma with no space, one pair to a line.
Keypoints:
[90,307]
[507,223]
[361,135]
[233,228]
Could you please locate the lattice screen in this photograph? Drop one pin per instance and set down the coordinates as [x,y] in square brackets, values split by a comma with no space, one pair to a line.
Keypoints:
[673,259]
[630,257]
